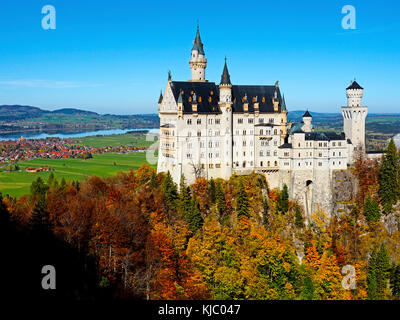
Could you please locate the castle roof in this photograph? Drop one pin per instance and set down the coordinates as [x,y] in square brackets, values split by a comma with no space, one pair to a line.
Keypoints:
[324,136]
[197,44]
[307,115]
[208,96]
[263,95]
[225,77]
[161,98]
[296,128]
[354,86]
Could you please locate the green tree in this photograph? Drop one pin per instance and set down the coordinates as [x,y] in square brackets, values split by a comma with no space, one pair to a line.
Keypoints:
[372,211]
[242,202]
[39,188]
[184,199]
[220,199]
[212,191]
[299,220]
[39,220]
[308,289]
[389,178]
[395,281]
[194,217]
[378,273]
[282,204]
[170,191]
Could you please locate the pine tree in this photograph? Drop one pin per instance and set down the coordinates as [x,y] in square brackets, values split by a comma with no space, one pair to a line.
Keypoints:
[40,220]
[308,287]
[194,217]
[372,211]
[51,180]
[212,191]
[63,185]
[299,220]
[242,202]
[389,178]
[395,281]
[265,212]
[378,273]
[170,191]
[184,200]
[282,204]
[38,188]
[220,199]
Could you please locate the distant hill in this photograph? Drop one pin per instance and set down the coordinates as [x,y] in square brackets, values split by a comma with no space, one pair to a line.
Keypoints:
[17,118]
[18,112]
[73,111]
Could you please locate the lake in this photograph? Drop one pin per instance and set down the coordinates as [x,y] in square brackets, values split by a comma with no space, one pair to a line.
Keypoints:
[67,135]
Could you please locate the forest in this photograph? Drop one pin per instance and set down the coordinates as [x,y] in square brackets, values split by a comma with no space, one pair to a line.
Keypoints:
[137,235]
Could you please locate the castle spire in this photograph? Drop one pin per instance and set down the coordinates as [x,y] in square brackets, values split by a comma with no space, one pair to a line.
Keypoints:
[225,77]
[161,97]
[198,62]
[283,108]
[197,44]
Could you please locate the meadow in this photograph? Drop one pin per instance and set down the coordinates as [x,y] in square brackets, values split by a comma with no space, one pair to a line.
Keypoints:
[116,140]
[17,183]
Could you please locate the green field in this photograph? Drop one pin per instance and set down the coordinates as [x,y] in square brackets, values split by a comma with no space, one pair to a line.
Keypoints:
[115,140]
[17,183]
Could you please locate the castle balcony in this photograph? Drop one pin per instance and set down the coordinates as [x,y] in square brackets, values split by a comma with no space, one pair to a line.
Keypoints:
[267,138]
[266,169]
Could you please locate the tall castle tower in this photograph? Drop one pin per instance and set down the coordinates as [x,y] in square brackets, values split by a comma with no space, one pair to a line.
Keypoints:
[354,115]
[225,104]
[198,62]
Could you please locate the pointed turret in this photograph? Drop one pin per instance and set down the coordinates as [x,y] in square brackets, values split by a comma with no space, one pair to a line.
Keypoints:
[307,118]
[198,62]
[180,98]
[283,107]
[197,44]
[180,105]
[225,77]
[160,101]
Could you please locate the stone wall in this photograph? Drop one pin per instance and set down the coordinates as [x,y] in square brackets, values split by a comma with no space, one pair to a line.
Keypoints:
[344,191]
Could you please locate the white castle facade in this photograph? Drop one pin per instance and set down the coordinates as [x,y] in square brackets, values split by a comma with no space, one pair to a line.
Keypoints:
[214,131]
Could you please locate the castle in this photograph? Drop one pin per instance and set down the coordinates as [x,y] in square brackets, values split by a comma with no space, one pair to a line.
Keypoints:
[214,131]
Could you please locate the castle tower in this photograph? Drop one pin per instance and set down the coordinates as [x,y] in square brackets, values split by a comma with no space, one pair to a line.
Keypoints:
[225,104]
[307,118]
[354,115]
[198,62]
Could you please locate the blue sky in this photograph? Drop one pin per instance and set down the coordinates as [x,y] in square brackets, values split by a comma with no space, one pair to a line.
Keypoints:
[113,56]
